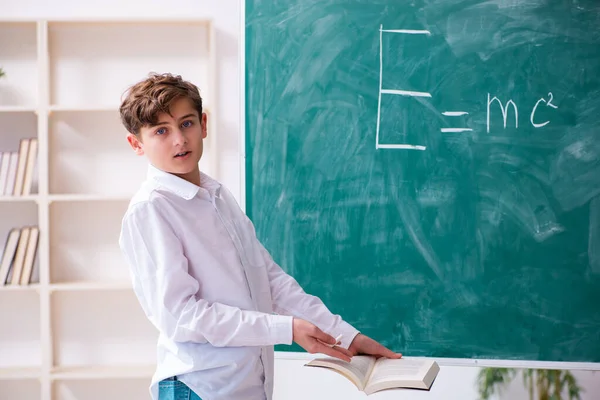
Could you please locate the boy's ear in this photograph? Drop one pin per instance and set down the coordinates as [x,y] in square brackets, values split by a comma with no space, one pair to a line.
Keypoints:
[204,124]
[136,144]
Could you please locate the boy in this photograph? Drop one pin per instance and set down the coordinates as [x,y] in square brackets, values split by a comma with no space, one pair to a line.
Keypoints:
[214,293]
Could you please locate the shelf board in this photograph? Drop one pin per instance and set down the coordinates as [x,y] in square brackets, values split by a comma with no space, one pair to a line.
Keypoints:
[87,197]
[102,372]
[75,108]
[18,199]
[20,373]
[67,198]
[88,286]
[93,108]
[87,20]
[70,287]
[20,288]
[13,109]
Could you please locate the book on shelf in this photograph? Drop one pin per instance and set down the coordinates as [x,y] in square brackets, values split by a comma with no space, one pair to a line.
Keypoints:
[30,166]
[30,254]
[17,169]
[371,374]
[8,172]
[18,256]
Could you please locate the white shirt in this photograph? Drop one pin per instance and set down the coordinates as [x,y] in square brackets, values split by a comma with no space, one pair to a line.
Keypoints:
[214,293]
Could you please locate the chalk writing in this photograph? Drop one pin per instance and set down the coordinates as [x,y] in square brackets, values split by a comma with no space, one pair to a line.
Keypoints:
[548,104]
[504,111]
[507,108]
[397,92]
[504,108]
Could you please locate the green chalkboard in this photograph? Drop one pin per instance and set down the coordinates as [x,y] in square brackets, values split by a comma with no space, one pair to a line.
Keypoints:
[431,169]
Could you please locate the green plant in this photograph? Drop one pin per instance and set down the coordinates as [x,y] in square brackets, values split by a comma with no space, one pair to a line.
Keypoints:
[2,73]
[542,384]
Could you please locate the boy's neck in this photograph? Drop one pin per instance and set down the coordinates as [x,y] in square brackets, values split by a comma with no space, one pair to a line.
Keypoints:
[192,176]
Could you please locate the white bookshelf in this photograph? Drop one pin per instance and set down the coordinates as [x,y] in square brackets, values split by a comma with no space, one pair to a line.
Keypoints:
[77,331]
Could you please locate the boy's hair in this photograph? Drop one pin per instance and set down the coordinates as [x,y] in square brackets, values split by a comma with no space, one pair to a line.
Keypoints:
[154,95]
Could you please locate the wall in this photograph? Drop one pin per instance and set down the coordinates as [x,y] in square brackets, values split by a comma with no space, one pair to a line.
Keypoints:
[226,14]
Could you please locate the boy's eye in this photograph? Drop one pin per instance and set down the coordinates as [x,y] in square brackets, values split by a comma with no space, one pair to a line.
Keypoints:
[161,131]
[187,124]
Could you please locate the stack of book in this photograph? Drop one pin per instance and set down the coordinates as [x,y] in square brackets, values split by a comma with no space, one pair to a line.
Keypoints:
[18,257]
[17,169]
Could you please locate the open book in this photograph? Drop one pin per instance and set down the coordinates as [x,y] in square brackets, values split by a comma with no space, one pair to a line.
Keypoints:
[371,375]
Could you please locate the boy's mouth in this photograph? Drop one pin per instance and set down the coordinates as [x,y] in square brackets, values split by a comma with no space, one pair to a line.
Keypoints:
[182,154]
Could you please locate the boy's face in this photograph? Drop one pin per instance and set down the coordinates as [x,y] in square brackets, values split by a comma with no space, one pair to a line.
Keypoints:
[174,144]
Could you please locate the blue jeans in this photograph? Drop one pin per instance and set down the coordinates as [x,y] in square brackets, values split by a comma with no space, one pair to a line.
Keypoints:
[171,389]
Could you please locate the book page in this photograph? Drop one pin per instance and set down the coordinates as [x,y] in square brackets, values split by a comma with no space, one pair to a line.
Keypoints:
[410,371]
[356,370]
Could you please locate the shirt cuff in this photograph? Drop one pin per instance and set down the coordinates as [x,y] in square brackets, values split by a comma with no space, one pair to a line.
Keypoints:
[281,327]
[348,333]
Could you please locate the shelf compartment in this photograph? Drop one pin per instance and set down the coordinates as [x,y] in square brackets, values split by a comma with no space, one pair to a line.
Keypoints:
[19,215]
[20,388]
[96,331]
[84,242]
[130,388]
[81,53]
[16,126]
[89,155]
[16,214]
[18,46]
[20,332]
[13,128]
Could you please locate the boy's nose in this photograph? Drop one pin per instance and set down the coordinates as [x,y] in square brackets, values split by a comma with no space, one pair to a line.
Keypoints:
[179,137]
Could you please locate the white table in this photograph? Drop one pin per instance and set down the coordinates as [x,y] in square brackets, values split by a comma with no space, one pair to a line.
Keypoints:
[293,381]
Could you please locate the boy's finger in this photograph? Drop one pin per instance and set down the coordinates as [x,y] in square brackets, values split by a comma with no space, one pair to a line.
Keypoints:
[324,337]
[333,352]
[343,350]
[385,352]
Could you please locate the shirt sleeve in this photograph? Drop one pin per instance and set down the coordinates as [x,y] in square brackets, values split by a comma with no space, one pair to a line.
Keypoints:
[290,299]
[169,294]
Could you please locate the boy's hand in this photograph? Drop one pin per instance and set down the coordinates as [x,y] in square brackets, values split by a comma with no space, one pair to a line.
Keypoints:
[365,345]
[314,340]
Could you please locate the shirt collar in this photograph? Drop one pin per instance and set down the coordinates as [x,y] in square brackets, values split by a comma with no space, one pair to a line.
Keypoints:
[180,186]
